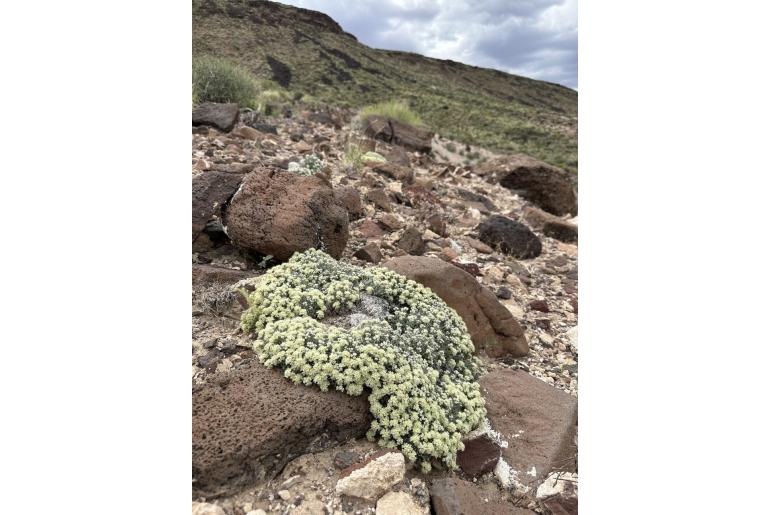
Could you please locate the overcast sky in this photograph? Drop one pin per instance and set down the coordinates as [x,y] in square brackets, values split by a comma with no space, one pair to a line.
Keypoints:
[533,38]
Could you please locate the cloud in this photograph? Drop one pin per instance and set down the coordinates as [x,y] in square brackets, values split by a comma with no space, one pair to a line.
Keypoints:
[533,38]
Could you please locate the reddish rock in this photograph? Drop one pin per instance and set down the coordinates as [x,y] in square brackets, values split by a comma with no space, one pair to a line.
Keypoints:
[369,252]
[452,496]
[278,213]
[549,187]
[390,221]
[539,305]
[490,324]
[543,418]
[419,195]
[371,229]
[479,456]
[392,170]
[480,246]
[248,133]
[398,133]
[448,254]
[248,423]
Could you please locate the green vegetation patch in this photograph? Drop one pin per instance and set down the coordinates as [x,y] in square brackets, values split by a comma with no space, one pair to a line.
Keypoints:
[339,326]
[395,109]
[219,80]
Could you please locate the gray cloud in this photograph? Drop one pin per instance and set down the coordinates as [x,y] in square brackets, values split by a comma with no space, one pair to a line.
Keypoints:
[533,38]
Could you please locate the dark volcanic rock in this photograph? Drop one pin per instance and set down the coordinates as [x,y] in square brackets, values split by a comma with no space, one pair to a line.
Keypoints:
[369,252]
[490,324]
[411,241]
[210,193]
[398,133]
[452,496]
[544,418]
[221,116]
[549,187]
[247,424]
[561,230]
[479,456]
[279,213]
[510,237]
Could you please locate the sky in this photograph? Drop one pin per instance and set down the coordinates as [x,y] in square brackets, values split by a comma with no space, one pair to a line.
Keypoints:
[533,38]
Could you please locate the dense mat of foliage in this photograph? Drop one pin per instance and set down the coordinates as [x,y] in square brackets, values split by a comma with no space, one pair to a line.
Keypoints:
[339,326]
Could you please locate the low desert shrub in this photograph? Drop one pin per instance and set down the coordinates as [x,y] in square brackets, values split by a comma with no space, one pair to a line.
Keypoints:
[218,80]
[338,326]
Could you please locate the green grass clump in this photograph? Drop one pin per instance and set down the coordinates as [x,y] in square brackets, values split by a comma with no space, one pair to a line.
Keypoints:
[269,101]
[356,330]
[354,156]
[219,80]
[395,109]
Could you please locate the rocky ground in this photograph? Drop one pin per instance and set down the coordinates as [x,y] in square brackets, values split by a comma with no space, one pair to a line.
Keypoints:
[425,204]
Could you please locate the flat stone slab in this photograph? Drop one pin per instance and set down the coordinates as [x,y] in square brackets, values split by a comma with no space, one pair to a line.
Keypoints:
[538,421]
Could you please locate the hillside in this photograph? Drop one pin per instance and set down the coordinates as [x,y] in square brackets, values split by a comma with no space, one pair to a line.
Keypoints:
[309,53]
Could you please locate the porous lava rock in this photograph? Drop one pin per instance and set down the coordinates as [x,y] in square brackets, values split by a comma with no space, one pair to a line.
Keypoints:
[248,423]
[278,213]
[510,237]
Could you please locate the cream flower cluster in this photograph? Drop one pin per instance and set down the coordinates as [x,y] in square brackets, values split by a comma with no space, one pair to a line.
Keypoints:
[415,357]
[309,165]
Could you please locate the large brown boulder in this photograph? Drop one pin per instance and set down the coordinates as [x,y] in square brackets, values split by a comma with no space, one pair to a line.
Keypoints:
[221,116]
[278,213]
[398,133]
[490,324]
[543,418]
[248,423]
[549,187]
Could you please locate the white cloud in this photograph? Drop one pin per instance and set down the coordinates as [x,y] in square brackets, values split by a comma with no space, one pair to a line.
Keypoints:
[534,38]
